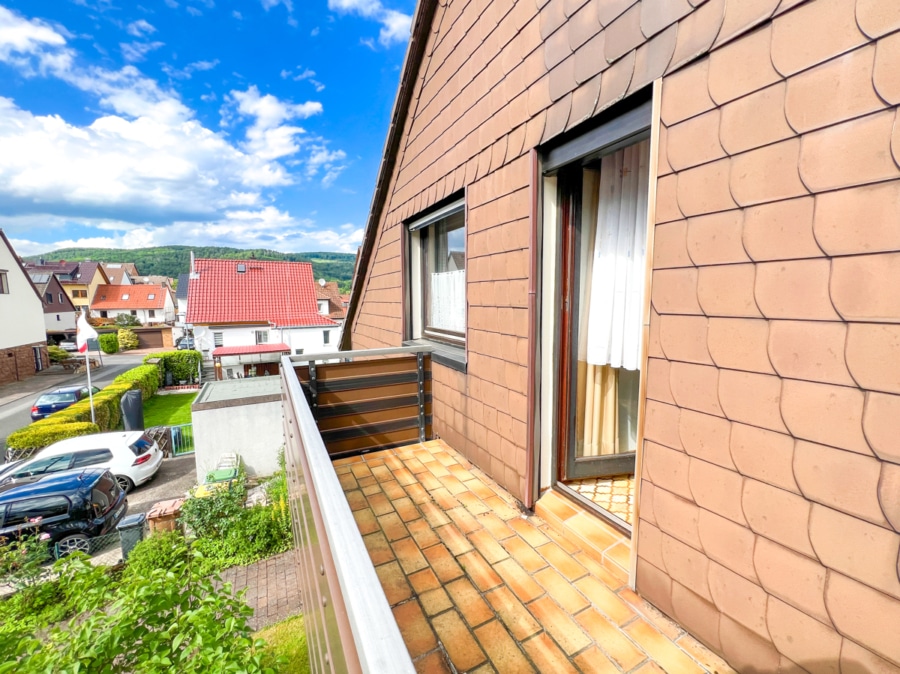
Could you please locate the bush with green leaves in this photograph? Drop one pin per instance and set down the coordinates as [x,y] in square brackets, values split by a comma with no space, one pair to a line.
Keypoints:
[160,551]
[182,364]
[57,354]
[109,342]
[144,377]
[127,321]
[210,516]
[127,339]
[28,440]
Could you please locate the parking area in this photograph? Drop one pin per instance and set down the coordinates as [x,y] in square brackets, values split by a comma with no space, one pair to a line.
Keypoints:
[175,477]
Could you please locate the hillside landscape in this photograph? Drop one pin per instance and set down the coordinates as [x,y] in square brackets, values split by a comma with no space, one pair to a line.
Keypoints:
[174,260]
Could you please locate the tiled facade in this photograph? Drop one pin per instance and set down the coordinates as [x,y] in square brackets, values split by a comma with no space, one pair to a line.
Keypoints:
[769,513]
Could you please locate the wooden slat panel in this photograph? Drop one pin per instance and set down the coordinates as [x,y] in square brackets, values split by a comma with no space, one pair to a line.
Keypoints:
[371,393]
[362,419]
[362,368]
[373,442]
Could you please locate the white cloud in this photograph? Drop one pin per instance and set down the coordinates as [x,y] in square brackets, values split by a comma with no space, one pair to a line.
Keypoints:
[171,3]
[269,136]
[394,25]
[269,4]
[237,15]
[140,28]
[137,51]
[314,31]
[193,11]
[188,71]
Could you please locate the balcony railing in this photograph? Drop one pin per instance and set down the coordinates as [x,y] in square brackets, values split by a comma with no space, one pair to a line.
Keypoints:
[370,400]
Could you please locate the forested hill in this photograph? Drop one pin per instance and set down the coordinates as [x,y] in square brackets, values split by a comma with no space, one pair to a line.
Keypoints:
[174,260]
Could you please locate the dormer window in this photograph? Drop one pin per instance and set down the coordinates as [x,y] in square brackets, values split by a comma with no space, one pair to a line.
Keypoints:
[323,307]
[241,268]
[151,296]
[124,297]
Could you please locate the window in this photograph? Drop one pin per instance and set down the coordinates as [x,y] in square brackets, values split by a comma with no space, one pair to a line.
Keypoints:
[52,464]
[91,457]
[323,307]
[48,297]
[298,352]
[326,336]
[151,313]
[21,512]
[79,293]
[60,298]
[104,314]
[151,296]
[437,273]
[124,297]
[262,336]
[4,283]
[57,316]
[133,312]
[217,338]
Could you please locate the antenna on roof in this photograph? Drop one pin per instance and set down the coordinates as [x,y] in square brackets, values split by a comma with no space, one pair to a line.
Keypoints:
[192,262]
[322,282]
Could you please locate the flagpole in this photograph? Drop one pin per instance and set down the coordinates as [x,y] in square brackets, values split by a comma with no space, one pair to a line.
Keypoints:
[87,362]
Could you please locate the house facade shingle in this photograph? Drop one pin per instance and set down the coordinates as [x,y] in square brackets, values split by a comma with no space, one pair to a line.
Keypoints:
[769,399]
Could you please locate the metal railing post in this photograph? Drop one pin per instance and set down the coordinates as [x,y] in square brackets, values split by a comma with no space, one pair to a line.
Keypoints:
[313,390]
[420,369]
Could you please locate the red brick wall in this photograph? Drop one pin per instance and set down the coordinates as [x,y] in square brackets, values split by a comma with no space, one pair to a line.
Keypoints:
[771,475]
[20,365]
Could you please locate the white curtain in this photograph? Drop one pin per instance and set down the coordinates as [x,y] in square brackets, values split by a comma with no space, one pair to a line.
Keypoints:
[616,297]
[448,300]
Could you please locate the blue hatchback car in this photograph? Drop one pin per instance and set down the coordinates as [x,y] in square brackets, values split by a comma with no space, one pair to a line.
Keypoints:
[71,507]
[57,400]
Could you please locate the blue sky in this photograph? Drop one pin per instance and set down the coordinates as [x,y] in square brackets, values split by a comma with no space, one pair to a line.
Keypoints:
[245,123]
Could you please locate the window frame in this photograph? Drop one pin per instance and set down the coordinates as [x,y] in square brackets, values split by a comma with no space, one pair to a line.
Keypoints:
[218,339]
[264,334]
[415,259]
[4,282]
[326,336]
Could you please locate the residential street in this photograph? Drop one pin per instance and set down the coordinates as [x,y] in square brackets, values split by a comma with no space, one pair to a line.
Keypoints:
[15,408]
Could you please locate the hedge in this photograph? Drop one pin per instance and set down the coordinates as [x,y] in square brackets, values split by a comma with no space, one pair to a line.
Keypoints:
[182,364]
[144,377]
[37,436]
[109,342]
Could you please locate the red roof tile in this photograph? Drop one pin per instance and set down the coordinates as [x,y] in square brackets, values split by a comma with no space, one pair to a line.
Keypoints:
[279,293]
[129,297]
[255,348]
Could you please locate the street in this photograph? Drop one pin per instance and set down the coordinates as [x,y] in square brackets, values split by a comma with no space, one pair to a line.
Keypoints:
[16,414]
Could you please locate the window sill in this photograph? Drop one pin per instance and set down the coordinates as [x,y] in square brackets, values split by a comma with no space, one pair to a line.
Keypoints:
[453,357]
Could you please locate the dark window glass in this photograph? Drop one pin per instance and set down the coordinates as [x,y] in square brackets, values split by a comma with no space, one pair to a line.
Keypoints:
[142,445]
[51,464]
[90,457]
[21,512]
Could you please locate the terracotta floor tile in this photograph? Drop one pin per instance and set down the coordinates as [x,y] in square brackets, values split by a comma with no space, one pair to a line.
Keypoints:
[472,503]
[453,539]
[599,571]
[415,629]
[532,535]
[379,549]
[453,485]
[392,526]
[418,493]
[569,545]
[443,563]
[347,461]
[513,613]
[460,472]
[393,490]
[393,581]
[433,663]
[592,661]
[562,561]
[374,459]
[435,601]
[547,655]
[496,526]
[518,580]
[598,534]
[446,458]
[501,508]
[620,553]
[391,460]
[611,641]
[479,488]
[650,668]
[366,481]
[444,499]
[406,509]
[424,580]
[423,533]
[481,573]
[370,489]
[380,504]
[464,520]
[650,613]
[469,602]
[570,637]
[561,590]
[501,650]
[484,669]
[434,515]
[524,554]
[365,521]
[553,505]
[424,455]
[404,476]
[492,551]
[348,482]
[356,500]
[360,470]
[605,600]
[660,649]
[464,651]
[429,482]
[438,469]
[704,656]
[382,473]
[415,466]
[409,555]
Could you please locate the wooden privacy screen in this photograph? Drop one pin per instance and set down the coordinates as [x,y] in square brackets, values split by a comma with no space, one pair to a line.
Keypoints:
[364,405]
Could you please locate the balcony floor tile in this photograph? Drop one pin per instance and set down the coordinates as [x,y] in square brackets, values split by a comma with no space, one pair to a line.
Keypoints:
[459,564]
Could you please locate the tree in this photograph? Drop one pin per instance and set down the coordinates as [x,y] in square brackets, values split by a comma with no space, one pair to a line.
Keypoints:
[127,340]
[128,321]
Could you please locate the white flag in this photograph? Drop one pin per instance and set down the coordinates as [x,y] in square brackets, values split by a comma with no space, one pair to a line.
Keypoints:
[85,332]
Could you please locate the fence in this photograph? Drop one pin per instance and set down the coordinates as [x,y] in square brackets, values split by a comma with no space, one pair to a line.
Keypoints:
[182,439]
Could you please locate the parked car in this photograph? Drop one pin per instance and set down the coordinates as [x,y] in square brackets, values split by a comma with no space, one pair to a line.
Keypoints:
[58,400]
[69,345]
[186,343]
[7,467]
[132,456]
[72,507]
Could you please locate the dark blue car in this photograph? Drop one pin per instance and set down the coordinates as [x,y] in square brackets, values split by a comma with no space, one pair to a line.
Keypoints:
[71,508]
[57,400]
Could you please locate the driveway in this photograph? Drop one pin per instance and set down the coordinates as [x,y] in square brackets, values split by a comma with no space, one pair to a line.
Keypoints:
[175,477]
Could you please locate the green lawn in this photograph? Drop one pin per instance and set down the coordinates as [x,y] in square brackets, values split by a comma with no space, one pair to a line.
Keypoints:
[168,410]
[287,639]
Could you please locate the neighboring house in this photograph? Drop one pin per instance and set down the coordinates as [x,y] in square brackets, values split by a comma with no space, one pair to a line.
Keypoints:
[247,313]
[120,273]
[329,302]
[150,304]
[59,312]
[23,342]
[659,240]
[78,279]
[181,298]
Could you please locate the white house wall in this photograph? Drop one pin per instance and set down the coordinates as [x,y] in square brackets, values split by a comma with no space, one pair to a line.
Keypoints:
[255,432]
[311,339]
[21,310]
[64,321]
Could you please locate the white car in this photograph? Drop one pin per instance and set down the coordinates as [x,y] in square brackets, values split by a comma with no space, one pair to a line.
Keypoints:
[131,456]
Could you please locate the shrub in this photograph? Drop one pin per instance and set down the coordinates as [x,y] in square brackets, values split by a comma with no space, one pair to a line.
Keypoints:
[252,534]
[109,342]
[182,364]
[160,551]
[127,339]
[144,377]
[127,321]
[38,436]
[210,516]
[57,353]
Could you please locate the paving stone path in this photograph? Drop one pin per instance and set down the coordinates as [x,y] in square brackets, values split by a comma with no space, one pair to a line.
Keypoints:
[273,590]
